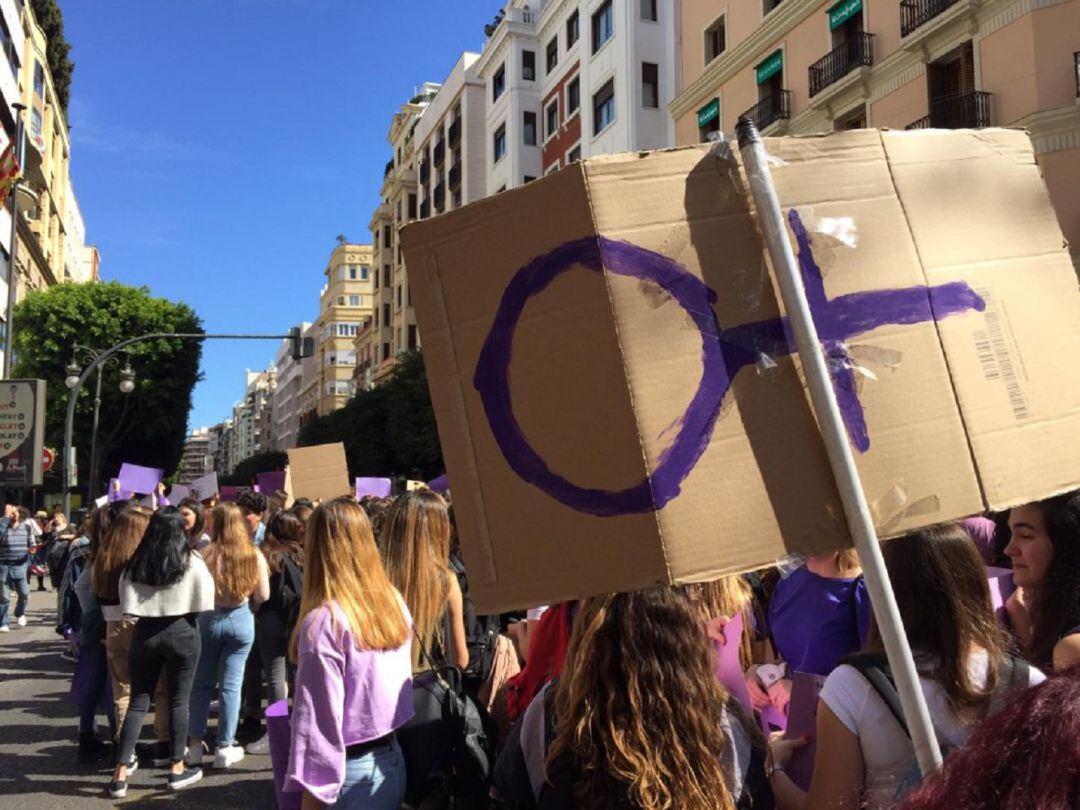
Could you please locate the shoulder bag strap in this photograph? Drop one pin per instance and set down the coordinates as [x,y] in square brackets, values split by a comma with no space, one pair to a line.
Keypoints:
[877,673]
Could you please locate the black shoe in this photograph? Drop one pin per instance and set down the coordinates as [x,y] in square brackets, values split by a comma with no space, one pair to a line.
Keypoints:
[250,727]
[188,776]
[117,789]
[91,749]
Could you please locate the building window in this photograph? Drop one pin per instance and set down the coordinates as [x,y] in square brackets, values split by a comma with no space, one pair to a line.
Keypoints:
[399,296]
[529,129]
[352,272]
[648,10]
[341,300]
[399,212]
[603,26]
[412,337]
[604,107]
[412,207]
[386,275]
[354,300]
[573,96]
[528,66]
[386,236]
[365,272]
[572,30]
[574,154]
[498,83]
[551,119]
[650,85]
[769,5]
[498,143]
[385,314]
[715,40]
[35,122]
[39,79]
[552,54]
[527,179]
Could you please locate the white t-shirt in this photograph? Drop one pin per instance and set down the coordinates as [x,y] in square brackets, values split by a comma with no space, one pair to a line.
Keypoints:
[887,752]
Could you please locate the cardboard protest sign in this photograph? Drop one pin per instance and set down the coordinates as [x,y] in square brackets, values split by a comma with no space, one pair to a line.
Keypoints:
[318,472]
[138,479]
[270,482]
[204,488]
[617,398]
[375,487]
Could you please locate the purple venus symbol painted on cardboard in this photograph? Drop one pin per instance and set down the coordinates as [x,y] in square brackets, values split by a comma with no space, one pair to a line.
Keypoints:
[724,352]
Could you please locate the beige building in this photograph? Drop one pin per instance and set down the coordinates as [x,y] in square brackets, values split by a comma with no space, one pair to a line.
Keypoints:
[799,66]
[344,304]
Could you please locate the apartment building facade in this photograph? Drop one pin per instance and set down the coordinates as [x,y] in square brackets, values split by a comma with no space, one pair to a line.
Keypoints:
[285,410]
[801,66]
[344,303]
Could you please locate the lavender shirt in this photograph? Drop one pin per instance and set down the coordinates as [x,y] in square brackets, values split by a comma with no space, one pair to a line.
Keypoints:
[344,695]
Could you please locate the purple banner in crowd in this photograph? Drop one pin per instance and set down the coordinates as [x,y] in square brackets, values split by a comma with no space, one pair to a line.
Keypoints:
[140,480]
[228,493]
[440,484]
[376,487]
[270,482]
[278,735]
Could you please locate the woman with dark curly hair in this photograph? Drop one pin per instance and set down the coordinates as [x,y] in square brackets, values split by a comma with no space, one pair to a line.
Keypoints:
[1045,554]
[1027,757]
[638,720]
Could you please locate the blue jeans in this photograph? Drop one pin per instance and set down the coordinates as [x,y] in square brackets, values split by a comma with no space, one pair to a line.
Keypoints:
[374,781]
[227,636]
[13,575]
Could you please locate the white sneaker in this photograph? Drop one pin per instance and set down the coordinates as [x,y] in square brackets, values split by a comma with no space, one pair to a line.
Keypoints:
[21,621]
[5,629]
[193,756]
[228,755]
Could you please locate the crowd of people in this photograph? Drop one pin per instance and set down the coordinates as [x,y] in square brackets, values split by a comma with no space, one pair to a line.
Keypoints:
[401,695]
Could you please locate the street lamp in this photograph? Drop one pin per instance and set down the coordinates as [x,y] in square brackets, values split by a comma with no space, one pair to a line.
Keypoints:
[74,375]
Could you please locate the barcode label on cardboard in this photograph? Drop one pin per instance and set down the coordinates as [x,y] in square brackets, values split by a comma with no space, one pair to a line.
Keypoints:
[996,349]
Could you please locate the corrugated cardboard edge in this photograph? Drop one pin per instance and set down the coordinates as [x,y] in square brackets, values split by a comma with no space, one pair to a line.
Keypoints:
[622,361]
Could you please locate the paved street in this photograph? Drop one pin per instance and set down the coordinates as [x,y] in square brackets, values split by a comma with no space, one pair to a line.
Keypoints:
[38,768]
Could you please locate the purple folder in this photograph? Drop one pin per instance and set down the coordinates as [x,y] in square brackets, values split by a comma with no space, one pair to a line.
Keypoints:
[440,484]
[141,480]
[1001,588]
[270,482]
[376,487]
[802,720]
[279,735]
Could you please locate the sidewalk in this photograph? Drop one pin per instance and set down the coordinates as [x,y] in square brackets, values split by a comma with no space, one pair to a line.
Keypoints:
[38,768]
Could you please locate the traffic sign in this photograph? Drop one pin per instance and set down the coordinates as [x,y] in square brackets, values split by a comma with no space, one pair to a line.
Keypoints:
[48,458]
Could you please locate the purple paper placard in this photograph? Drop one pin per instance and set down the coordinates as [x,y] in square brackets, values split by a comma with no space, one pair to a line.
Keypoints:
[440,484]
[141,480]
[728,666]
[270,482]
[205,488]
[118,494]
[228,493]
[376,487]
[278,734]
[802,720]
[1001,588]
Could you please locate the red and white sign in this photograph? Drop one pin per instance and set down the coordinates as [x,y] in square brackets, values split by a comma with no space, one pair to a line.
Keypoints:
[48,458]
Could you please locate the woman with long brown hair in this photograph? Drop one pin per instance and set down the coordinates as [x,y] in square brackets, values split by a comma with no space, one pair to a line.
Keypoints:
[283,548]
[864,757]
[637,720]
[415,547]
[354,676]
[115,549]
[1045,554]
[240,577]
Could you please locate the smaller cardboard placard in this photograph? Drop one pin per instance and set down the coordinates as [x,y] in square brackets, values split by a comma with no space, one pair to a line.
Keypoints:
[319,472]
[375,487]
[204,488]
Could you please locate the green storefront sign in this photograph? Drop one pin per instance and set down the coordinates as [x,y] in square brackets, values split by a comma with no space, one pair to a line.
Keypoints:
[709,113]
[770,67]
[843,11]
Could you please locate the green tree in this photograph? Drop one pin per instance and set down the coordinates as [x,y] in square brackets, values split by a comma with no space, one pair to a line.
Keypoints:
[51,20]
[388,431]
[147,426]
[246,470]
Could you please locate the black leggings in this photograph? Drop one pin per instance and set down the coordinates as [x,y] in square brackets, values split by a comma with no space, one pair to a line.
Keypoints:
[172,643]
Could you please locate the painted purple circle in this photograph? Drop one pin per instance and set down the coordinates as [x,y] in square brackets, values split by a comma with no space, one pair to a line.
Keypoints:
[492,377]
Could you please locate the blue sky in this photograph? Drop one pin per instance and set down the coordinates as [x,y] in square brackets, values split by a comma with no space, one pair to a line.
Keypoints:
[219,147]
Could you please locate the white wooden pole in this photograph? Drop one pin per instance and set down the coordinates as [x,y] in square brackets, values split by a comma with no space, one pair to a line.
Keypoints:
[841,458]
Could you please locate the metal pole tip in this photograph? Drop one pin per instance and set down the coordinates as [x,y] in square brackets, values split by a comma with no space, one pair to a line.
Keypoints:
[746,131]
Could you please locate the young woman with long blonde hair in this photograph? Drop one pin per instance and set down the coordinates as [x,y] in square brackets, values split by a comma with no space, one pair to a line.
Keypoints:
[241,581]
[354,674]
[415,546]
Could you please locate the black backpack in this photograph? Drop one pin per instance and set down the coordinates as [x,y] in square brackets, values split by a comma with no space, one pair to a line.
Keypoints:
[481,632]
[292,589]
[449,743]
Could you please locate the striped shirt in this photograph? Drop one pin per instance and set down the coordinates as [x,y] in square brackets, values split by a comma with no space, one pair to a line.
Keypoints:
[15,541]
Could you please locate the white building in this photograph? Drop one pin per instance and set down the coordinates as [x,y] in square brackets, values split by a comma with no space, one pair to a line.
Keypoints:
[597,76]
[75,265]
[12,43]
[286,400]
[198,458]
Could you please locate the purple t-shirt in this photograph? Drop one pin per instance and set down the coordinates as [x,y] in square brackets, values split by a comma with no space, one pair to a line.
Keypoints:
[344,695]
[816,621]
